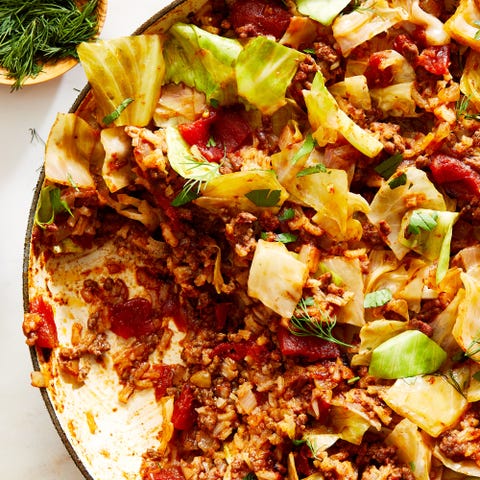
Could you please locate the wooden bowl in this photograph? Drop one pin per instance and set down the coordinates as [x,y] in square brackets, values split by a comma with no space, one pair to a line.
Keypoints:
[54,69]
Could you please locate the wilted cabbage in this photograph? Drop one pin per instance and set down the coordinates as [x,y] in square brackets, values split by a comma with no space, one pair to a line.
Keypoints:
[277,277]
[70,150]
[463,24]
[323,11]
[122,70]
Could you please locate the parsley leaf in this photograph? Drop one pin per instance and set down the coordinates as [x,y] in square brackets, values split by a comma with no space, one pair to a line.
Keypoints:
[377,298]
[287,214]
[320,167]
[306,148]
[264,197]
[111,117]
[422,220]
[398,181]
[387,168]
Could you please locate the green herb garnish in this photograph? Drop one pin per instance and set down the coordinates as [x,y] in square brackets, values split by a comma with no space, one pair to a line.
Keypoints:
[422,220]
[377,298]
[111,117]
[398,181]
[264,197]
[33,32]
[387,168]
[308,326]
[306,148]
[320,167]
[287,214]
[281,237]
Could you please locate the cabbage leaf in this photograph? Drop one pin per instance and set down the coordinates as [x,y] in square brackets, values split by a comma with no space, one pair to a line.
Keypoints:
[264,70]
[323,11]
[69,151]
[328,120]
[125,68]
[202,60]
[277,277]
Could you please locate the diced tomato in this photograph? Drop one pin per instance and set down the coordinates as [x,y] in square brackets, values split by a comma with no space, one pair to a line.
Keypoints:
[45,329]
[163,379]
[198,132]
[230,129]
[239,350]
[183,416]
[260,17]
[170,473]
[132,318]
[310,348]
[224,130]
[378,74]
[435,59]
[458,178]
[407,47]
[173,308]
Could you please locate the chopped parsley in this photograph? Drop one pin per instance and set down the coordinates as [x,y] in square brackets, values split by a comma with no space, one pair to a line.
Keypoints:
[264,197]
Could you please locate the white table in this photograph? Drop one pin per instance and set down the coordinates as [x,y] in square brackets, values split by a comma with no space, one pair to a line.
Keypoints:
[29,445]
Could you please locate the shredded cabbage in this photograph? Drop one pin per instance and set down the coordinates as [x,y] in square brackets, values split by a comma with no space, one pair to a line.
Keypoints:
[324,11]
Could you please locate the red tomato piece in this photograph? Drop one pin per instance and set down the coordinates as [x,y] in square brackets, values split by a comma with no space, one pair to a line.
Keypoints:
[377,73]
[198,132]
[183,416]
[260,17]
[132,318]
[310,348]
[221,313]
[239,350]
[458,178]
[435,59]
[231,130]
[45,328]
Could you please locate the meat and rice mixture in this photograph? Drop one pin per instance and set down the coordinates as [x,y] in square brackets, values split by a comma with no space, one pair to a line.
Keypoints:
[296,189]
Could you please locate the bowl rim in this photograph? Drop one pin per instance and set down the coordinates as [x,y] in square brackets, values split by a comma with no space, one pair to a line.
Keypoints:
[27,256]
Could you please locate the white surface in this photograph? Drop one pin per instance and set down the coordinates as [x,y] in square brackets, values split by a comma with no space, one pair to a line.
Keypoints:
[29,444]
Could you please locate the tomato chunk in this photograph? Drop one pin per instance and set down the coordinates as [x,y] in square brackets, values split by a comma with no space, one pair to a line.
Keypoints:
[239,350]
[44,331]
[259,17]
[163,380]
[132,318]
[171,473]
[310,348]
[435,59]
[183,416]
[458,178]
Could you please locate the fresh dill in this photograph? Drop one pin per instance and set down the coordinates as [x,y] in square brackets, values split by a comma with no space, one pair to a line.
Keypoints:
[307,326]
[34,32]
[461,109]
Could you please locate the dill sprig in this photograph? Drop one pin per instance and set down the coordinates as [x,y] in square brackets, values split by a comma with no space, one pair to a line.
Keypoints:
[306,326]
[33,32]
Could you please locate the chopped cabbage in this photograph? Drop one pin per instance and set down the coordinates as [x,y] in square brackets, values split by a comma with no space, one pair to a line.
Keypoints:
[395,100]
[407,354]
[355,90]
[326,119]
[355,28]
[301,30]
[349,424]
[230,190]
[178,104]
[264,70]
[69,151]
[412,398]
[391,204]
[350,271]
[465,467]
[412,448]
[277,277]
[116,169]
[470,79]
[125,68]
[463,24]
[374,334]
[202,60]
[466,330]
[182,161]
[323,11]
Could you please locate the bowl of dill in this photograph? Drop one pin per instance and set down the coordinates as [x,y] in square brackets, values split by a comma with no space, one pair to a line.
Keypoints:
[38,38]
